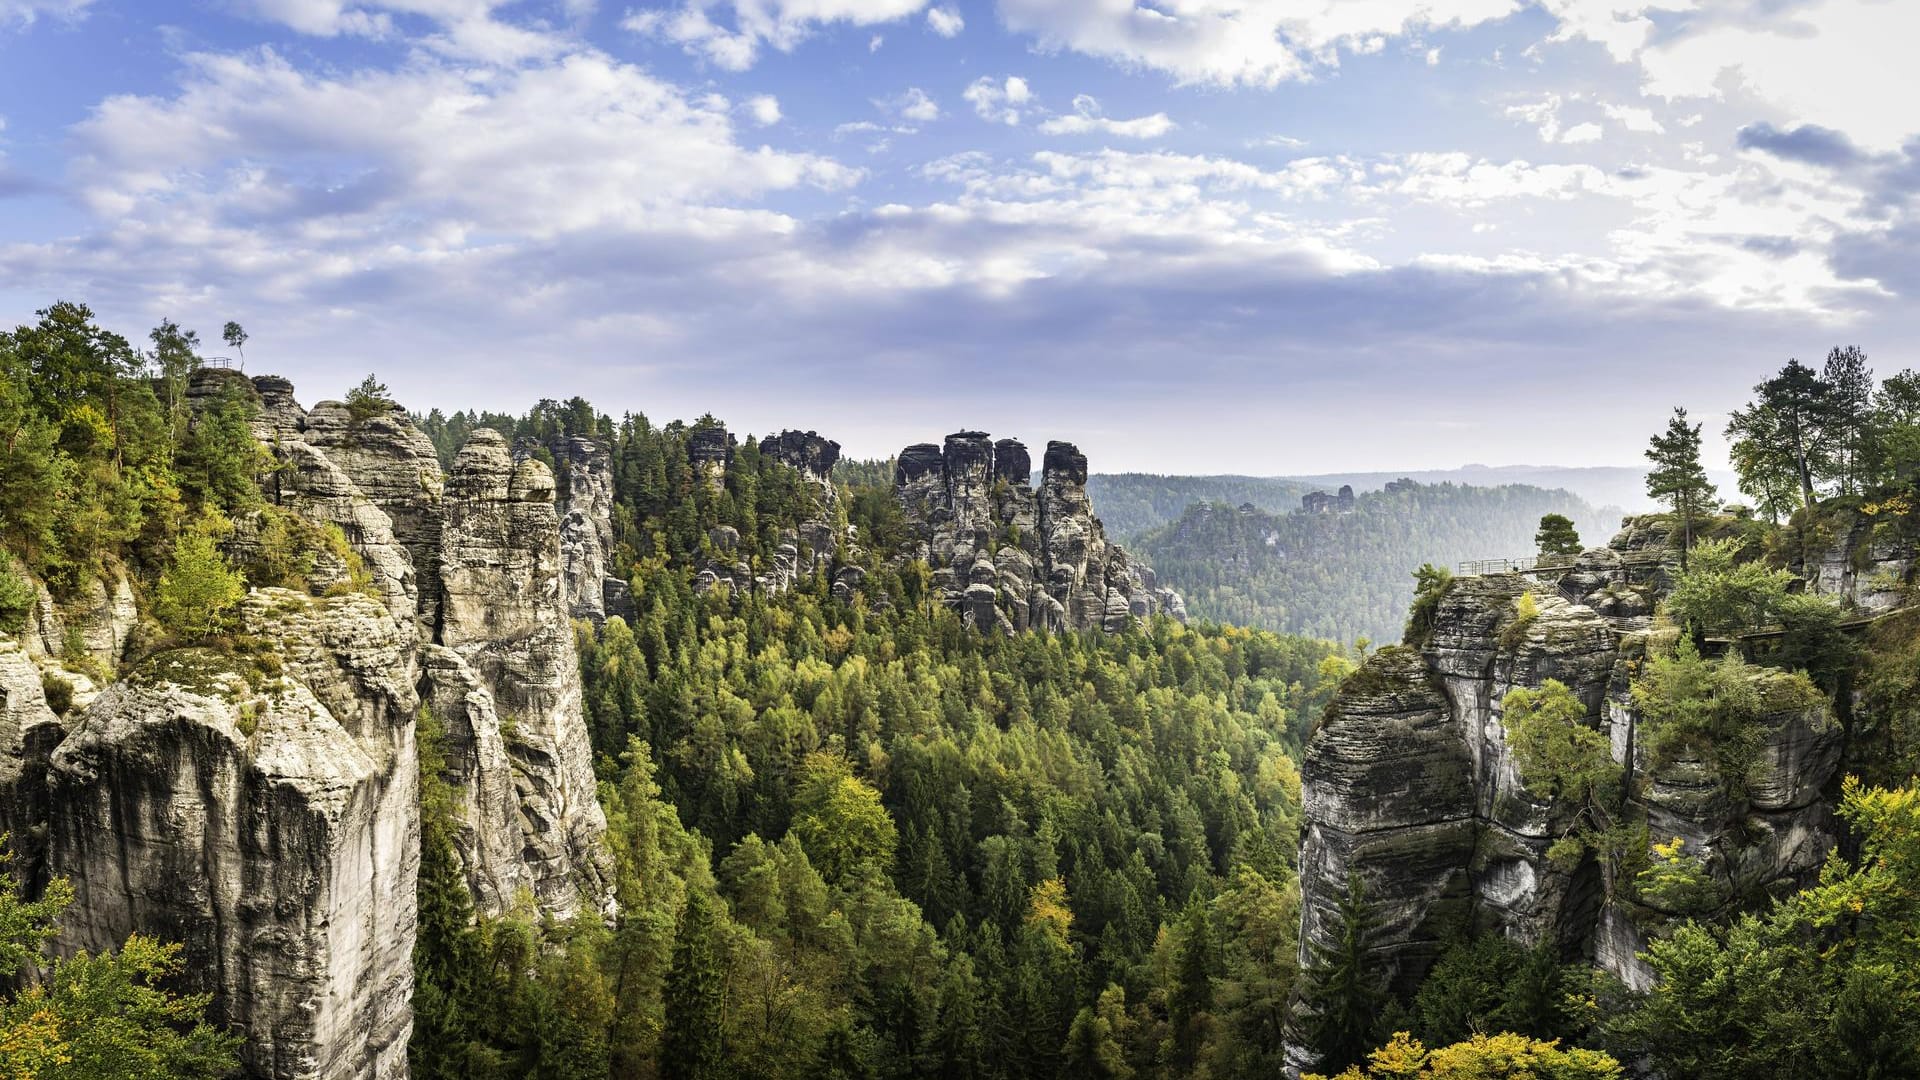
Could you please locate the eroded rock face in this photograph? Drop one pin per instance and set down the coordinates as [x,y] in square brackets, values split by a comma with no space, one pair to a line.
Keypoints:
[270,823]
[1409,784]
[586,530]
[1868,568]
[1013,558]
[395,466]
[264,810]
[504,616]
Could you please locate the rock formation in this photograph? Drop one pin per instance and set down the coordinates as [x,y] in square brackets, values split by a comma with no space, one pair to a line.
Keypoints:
[503,615]
[265,813]
[586,529]
[1409,784]
[1319,502]
[1014,558]
[263,808]
[813,544]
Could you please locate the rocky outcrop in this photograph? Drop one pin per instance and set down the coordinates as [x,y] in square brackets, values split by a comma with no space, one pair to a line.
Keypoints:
[265,814]
[710,448]
[261,806]
[1012,557]
[592,592]
[1868,565]
[809,454]
[395,466]
[1408,782]
[504,617]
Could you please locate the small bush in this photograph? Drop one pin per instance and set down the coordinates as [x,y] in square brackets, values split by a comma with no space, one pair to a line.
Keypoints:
[58,692]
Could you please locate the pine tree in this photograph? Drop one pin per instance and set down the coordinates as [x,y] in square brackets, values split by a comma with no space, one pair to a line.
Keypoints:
[1677,476]
[1190,998]
[693,1046]
[1344,991]
[1557,536]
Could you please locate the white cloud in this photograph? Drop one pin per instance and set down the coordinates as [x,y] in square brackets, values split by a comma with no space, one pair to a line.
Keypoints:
[1583,133]
[757,24]
[945,21]
[765,109]
[874,43]
[579,143]
[24,12]
[915,105]
[1086,119]
[1836,63]
[999,101]
[1433,57]
[1634,118]
[1236,42]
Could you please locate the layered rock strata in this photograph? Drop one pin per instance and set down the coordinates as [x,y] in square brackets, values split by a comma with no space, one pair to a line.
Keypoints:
[1010,556]
[1409,785]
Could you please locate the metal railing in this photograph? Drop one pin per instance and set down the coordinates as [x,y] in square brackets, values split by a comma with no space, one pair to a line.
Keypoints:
[1479,567]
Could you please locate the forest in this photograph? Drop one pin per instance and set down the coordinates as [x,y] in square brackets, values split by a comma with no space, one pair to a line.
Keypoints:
[1343,576]
[863,840]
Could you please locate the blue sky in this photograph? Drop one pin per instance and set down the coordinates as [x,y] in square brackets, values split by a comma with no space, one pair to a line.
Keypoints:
[1268,236]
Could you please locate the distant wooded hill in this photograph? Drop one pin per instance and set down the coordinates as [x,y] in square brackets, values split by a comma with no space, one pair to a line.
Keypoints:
[1132,503]
[1346,575]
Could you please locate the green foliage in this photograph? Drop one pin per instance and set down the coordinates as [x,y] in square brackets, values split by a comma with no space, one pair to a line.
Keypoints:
[1676,883]
[1711,709]
[368,399]
[1822,986]
[1343,576]
[97,1017]
[1430,585]
[838,818]
[1561,756]
[1556,538]
[694,1047]
[1677,477]
[1489,983]
[198,588]
[17,598]
[1718,593]
[1345,988]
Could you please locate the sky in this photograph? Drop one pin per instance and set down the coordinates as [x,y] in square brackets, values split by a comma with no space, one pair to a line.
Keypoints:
[1250,236]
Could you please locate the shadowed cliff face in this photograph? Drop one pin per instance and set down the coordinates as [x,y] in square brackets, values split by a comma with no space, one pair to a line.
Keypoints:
[1011,557]
[1408,781]
[264,809]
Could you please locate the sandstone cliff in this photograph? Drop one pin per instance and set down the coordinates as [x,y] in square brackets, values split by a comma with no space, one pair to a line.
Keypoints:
[1409,784]
[261,804]
[1010,556]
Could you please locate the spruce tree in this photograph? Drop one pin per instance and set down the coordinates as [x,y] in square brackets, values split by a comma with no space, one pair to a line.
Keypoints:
[693,1047]
[1344,991]
[1677,477]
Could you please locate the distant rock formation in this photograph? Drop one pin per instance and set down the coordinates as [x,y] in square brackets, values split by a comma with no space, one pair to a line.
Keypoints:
[812,545]
[1319,502]
[1013,558]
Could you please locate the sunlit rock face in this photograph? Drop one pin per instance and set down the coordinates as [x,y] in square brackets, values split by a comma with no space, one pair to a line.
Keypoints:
[262,808]
[504,617]
[266,816]
[1012,557]
[1408,783]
